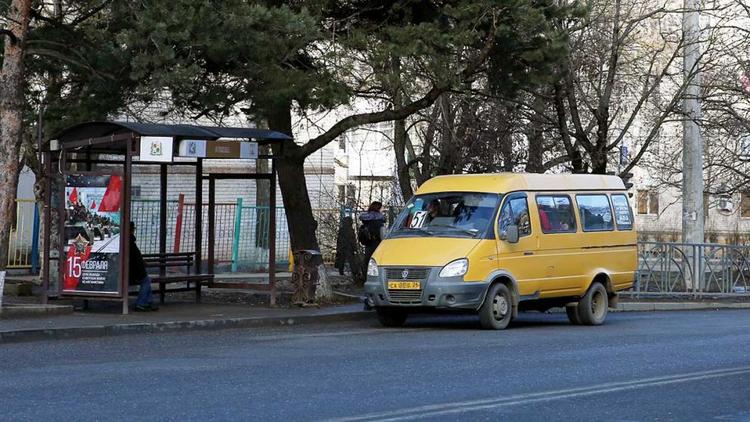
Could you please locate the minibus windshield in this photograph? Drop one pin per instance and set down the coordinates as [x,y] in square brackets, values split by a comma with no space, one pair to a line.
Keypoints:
[449,214]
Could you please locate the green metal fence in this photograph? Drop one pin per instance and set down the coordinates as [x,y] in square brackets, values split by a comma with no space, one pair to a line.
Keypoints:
[241,243]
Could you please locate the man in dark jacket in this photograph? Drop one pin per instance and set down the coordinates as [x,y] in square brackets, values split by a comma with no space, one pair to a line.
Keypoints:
[138,275]
[373,222]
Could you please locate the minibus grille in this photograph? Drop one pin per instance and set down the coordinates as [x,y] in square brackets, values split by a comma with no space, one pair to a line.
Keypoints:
[405,296]
[410,273]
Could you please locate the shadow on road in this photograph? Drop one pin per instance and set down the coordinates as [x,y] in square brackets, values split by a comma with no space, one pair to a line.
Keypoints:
[526,320]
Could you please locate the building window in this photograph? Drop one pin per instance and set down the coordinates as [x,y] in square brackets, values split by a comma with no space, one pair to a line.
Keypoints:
[648,202]
[706,203]
[351,195]
[342,142]
[347,195]
[745,205]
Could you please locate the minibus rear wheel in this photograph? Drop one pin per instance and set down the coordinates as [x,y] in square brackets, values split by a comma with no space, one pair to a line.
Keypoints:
[497,309]
[592,308]
[391,317]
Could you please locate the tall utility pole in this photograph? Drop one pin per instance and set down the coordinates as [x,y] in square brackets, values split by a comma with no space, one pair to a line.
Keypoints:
[692,143]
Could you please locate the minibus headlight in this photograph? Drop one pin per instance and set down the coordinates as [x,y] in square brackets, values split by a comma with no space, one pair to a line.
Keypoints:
[456,268]
[372,268]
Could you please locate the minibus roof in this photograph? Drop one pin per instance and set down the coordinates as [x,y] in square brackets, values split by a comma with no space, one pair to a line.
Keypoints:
[510,182]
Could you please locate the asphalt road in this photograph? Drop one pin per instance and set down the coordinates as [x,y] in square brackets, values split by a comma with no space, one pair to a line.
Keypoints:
[681,366]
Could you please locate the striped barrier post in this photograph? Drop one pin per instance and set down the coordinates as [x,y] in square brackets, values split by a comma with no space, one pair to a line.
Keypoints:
[237,232]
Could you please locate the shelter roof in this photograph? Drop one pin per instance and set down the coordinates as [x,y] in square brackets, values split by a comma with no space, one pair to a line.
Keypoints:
[101,129]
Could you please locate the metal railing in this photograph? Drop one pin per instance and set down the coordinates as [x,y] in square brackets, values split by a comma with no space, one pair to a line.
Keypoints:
[693,269]
[23,251]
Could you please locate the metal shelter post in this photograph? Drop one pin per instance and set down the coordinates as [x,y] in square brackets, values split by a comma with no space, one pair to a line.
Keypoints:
[272,233]
[163,211]
[47,211]
[162,226]
[61,223]
[125,238]
[211,223]
[198,237]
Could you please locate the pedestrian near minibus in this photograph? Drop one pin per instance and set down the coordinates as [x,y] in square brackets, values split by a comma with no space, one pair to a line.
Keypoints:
[138,275]
[370,233]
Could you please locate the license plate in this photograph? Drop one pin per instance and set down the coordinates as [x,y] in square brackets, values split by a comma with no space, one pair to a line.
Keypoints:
[404,285]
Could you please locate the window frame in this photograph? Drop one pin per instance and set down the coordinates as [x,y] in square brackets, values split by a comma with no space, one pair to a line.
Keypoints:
[650,197]
[572,212]
[611,212]
[744,195]
[614,214]
[506,201]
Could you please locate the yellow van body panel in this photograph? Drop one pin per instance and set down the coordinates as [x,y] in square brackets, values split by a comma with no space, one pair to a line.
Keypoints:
[541,265]
[511,182]
[422,252]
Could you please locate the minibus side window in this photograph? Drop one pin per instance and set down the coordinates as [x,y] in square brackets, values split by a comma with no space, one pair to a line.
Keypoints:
[623,214]
[516,211]
[556,214]
[595,211]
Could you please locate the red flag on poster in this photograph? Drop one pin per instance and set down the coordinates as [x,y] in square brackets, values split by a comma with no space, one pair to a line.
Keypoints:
[111,200]
[93,205]
[73,198]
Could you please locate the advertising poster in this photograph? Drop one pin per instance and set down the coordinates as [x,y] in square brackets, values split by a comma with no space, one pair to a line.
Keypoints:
[92,234]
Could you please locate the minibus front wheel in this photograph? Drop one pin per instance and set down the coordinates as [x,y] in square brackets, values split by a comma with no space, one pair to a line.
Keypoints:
[592,308]
[497,309]
[390,317]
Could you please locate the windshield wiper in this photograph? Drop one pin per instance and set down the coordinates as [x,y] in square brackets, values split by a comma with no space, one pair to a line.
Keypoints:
[470,232]
[420,229]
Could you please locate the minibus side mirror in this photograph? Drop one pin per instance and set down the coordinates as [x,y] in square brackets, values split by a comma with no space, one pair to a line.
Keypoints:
[510,234]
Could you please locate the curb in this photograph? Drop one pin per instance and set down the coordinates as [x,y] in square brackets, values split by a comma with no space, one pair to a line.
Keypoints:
[33,310]
[677,306]
[175,326]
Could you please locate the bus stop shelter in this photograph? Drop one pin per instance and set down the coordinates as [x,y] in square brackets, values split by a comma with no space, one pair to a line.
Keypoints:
[89,192]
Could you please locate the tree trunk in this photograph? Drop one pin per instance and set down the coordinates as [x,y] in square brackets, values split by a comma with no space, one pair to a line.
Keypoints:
[290,164]
[399,143]
[299,214]
[399,134]
[11,115]
[599,153]
[598,161]
[576,162]
[535,136]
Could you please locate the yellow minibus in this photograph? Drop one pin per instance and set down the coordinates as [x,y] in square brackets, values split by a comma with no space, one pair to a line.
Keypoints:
[497,244]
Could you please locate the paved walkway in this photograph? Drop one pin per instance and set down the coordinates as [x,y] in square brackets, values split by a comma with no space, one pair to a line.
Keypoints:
[171,316]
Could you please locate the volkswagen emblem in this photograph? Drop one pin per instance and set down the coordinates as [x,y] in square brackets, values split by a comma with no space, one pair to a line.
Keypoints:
[405,274]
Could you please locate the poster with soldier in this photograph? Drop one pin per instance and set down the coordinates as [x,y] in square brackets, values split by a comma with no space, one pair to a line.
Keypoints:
[92,234]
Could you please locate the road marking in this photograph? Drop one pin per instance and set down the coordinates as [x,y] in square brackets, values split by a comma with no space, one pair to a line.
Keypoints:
[521,399]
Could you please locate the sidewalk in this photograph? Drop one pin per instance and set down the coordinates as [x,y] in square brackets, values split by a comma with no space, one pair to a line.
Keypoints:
[170,317]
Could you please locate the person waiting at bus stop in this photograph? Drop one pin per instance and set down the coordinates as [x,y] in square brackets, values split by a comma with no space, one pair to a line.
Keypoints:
[138,275]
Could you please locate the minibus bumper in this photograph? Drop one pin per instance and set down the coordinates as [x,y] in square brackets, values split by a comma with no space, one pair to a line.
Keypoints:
[435,292]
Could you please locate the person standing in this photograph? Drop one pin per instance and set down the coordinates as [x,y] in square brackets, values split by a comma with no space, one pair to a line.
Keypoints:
[371,231]
[138,275]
